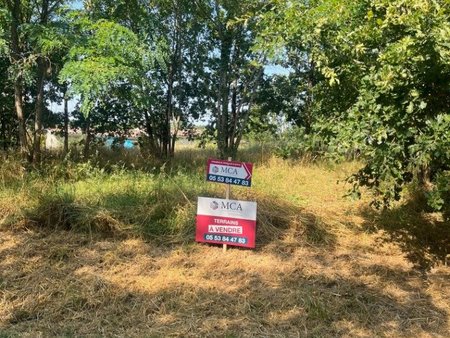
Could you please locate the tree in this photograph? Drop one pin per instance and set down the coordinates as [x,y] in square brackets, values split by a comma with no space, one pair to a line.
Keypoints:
[234,69]
[170,90]
[403,103]
[205,65]
[103,55]
[8,128]
[31,42]
[384,91]
[286,96]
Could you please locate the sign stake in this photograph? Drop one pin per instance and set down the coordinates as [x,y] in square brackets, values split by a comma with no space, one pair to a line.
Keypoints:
[227,196]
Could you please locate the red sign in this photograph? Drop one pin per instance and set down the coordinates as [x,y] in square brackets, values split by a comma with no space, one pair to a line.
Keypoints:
[223,221]
[230,172]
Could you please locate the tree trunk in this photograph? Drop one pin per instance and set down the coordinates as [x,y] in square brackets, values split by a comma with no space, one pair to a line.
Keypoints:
[154,147]
[234,117]
[18,103]
[224,91]
[87,141]
[36,154]
[176,128]
[238,131]
[241,131]
[4,137]
[166,136]
[66,122]
[42,71]
[18,90]
[309,99]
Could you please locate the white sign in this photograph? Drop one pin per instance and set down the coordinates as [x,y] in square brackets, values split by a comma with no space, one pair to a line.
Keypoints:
[226,208]
[222,221]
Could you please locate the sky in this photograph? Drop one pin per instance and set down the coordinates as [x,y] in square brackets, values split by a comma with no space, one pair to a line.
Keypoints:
[77,4]
[276,70]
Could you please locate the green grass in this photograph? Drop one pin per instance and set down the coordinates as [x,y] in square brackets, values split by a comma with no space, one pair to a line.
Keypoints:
[152,199]
[106,248]
[128,195]
[118,201]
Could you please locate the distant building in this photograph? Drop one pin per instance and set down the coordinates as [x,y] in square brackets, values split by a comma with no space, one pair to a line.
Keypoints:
[51,142]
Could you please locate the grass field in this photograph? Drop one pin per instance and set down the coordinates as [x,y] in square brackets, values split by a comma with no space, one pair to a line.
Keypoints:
[107,250]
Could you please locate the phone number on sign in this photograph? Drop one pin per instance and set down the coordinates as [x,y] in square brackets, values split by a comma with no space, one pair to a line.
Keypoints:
[228,239]
[228,180]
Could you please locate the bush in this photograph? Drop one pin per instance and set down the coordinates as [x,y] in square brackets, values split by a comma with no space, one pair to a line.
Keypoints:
[297,144]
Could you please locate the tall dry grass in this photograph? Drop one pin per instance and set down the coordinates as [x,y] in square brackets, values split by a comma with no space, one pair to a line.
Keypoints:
[128,265]
[153,199]
[128,195]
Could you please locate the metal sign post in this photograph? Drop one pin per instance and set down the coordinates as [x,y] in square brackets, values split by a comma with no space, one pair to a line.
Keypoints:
[227,197]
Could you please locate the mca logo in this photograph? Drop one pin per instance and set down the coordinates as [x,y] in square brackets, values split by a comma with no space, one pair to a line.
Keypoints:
[215,170]
[214,205]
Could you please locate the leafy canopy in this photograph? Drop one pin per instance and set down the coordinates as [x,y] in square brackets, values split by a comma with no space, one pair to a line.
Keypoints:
[381,83]
[103,54]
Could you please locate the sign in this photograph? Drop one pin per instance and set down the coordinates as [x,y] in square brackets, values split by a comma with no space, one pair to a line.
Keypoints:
[224,221]
[230,172]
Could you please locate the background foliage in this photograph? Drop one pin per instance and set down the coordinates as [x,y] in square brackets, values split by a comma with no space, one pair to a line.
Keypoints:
[368,79]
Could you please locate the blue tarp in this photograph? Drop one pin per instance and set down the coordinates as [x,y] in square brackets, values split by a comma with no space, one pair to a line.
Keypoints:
[127,144]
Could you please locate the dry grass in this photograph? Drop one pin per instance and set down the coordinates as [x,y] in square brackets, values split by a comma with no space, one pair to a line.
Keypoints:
[76,285]
[316,272]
